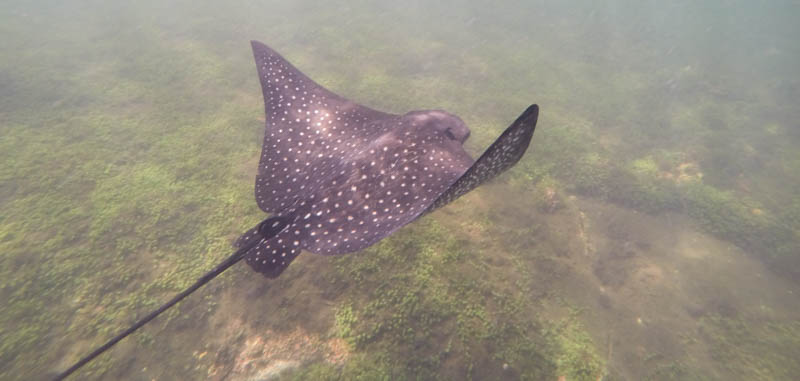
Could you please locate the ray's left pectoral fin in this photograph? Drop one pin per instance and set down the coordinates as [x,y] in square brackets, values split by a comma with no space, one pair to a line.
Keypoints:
[499,157]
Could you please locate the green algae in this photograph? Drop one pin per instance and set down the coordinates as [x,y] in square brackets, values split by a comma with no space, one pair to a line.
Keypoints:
[577,356]
[123,168]
[431,319]
[754,350]
[108,201]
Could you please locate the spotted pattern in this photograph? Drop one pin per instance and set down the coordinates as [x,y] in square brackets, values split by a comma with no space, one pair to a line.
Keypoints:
[309,130]
[342,176]
[270,256]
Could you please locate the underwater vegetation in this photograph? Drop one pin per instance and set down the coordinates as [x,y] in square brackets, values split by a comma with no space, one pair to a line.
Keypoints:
[127,171]
[756,350]
[430,320]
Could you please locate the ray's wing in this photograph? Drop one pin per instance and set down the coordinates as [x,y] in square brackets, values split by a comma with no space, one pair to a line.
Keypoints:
[386,186]
[499,157]
[308,131]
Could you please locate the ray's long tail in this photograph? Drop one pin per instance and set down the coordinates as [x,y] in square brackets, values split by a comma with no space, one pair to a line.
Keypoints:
[267,229]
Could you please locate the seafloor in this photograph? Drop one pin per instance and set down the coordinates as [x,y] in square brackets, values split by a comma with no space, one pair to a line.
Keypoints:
[651,232]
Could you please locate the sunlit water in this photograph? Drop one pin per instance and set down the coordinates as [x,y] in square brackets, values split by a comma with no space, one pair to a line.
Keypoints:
[651,232]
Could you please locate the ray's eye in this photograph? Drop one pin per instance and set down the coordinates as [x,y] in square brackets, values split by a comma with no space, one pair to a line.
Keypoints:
[449,134]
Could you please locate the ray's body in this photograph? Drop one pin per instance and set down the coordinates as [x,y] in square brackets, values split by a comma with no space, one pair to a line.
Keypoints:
[347,175]
[338,176]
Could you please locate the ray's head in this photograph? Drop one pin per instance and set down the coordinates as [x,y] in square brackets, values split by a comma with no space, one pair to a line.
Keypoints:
[447,124]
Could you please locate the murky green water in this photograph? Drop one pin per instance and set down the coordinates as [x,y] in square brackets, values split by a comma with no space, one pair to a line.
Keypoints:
[651,232]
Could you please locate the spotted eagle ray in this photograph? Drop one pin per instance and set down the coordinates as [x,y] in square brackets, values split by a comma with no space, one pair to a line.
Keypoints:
[337,176]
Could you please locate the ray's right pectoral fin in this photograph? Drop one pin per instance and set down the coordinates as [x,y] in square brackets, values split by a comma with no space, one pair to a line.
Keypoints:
[499,157]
